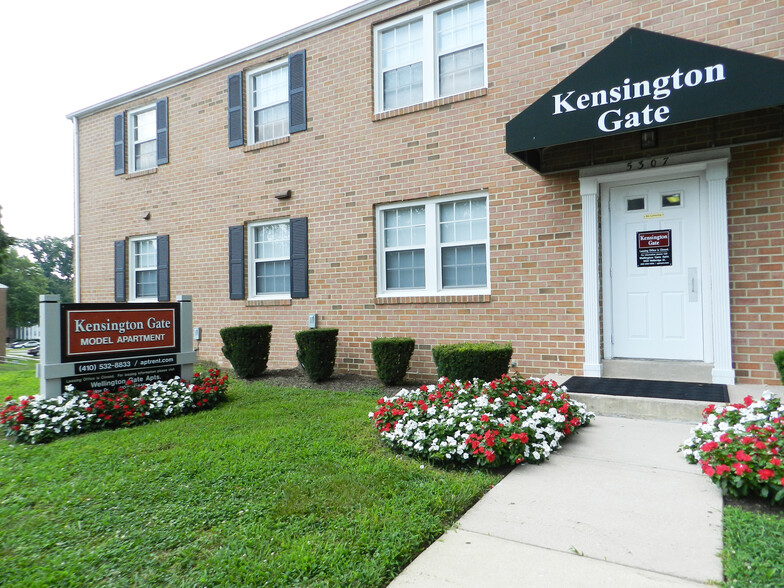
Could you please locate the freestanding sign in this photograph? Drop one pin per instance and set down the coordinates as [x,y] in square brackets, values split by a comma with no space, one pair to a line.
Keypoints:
[95,346]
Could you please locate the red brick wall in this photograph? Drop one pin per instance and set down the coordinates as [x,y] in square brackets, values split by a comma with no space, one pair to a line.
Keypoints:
[348,161]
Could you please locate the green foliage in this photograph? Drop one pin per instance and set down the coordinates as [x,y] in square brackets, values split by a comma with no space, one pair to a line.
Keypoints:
[466,361]
[54,255]
[753,544]
[26,283]
[278,487]
[391,356]
[316,350]
[247,348]
[778,359]
[5,247]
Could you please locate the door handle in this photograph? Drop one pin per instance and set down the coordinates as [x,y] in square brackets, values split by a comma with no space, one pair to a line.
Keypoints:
[693,285]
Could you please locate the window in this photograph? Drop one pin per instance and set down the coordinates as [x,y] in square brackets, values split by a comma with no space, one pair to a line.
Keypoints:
[435,247]
[277,259]
[148,138]
[274,104]
[269,266]
[141,146]
[268,103]
[144,271]
[433,53]
[143,268]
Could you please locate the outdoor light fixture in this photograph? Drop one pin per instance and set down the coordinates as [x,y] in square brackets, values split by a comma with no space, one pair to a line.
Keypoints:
[283,195]
[146,215]
[648,139]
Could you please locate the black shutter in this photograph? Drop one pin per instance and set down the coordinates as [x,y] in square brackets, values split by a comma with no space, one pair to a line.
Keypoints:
[298,234]
[236,128]
[163,267]
[298,112]
[162,125]
[119,144]
[237,262]
[119,271]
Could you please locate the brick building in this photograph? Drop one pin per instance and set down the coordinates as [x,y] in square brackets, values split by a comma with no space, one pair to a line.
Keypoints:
[598,183]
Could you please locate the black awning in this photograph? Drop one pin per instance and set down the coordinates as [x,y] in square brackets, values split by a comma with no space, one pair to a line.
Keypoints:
[641,81]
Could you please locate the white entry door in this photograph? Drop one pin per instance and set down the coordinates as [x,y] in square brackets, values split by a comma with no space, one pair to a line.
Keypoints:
[656,274]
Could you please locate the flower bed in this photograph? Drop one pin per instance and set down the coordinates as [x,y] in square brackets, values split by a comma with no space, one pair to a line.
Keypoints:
[739,447]
[504,422]
[30,419]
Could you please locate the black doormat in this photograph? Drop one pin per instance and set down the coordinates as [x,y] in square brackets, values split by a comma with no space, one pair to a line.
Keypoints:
[648,389]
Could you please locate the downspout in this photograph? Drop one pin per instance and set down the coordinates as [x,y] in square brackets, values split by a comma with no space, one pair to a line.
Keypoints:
[77,264]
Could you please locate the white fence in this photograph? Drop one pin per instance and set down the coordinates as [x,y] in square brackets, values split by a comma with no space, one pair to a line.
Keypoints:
[27,333]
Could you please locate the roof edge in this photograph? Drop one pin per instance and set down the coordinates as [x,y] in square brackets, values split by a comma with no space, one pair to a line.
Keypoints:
[306,31]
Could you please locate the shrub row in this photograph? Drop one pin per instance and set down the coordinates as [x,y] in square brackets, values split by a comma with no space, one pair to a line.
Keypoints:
[247,348]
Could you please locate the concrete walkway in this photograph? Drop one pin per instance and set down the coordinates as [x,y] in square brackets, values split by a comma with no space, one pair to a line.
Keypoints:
[616,506]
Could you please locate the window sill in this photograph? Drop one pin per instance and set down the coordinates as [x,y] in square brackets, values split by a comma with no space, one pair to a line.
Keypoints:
[269,302]
[265,144]
[432,104]
[144,172]
[437,299]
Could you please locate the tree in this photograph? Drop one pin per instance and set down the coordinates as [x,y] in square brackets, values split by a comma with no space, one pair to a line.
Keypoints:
[5,247]
[53,254]
[55,258]
[26,283]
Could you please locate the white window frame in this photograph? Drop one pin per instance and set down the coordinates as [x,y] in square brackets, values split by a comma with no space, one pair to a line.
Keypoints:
[250,118]
[433,247]
[133,268]
[430,58]
[132,142]
[252,293]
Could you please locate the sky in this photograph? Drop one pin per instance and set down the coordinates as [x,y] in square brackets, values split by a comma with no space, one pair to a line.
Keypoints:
[59,56]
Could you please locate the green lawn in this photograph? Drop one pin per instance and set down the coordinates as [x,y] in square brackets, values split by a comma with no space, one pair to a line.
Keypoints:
[276,487]
[753,548]
[18,379]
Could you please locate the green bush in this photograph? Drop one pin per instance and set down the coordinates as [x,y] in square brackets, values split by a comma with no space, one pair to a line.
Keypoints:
[466,361]
[391,356]
[247,348]
[778,359]
[316,352]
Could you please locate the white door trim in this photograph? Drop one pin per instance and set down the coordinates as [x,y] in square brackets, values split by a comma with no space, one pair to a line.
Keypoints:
[712,166]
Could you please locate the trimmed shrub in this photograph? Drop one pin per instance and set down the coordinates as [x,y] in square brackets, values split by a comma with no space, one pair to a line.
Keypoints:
[778,359]
[466,361]
[316,352]
[391,356]
[247,348]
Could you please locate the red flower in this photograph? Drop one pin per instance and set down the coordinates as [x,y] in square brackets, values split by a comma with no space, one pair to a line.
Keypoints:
[765,474]
[725,438]
[709,446]
[9,397]
[484,418]
[742,456]
[708,469]
[775,461]
[722,469]
[740,468]
[490,456]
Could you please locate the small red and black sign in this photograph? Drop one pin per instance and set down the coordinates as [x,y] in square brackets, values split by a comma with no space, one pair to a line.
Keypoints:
[654,248]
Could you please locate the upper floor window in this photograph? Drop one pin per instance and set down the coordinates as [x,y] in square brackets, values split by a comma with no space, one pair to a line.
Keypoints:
[147,144]
[439,246]
[268,103]
[430,54]
[142,152]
